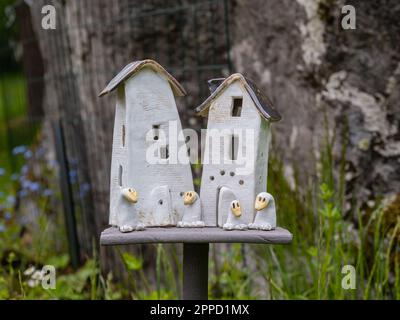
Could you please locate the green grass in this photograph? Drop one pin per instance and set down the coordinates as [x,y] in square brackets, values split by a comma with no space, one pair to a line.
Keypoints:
[12,97]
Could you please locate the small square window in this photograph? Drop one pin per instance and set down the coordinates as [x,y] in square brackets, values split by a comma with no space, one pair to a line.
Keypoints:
[123,135]
[237,107]
[156,131]
[164,152]
[234,147]
[120,176]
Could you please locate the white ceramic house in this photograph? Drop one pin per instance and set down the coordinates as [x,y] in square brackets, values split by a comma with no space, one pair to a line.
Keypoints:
[145,106]
[238,110]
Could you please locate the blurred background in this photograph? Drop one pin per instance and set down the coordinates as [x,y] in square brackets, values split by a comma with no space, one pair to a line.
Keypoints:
[335,156]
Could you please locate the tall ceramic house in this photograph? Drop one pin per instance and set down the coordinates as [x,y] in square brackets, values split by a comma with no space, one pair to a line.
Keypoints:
[241,115]
[145,110]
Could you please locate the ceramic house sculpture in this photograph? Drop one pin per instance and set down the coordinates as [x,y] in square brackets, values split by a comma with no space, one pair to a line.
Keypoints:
[242,115]
[143,192]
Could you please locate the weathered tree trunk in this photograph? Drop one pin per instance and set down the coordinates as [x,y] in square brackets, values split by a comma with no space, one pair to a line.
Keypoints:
[311,67]
[33,71]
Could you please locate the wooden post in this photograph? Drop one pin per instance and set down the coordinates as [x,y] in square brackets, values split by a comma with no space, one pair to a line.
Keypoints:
[195,271]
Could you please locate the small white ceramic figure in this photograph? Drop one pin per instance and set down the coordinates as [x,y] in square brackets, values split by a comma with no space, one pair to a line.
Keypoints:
[265,218]
[234,221]
[128,219]
[192,211]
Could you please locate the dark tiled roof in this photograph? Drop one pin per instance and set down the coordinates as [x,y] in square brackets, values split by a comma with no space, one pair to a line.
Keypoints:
[263,104]
[134,67]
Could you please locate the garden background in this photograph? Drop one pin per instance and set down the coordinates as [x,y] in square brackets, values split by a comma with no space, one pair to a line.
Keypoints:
[335,156]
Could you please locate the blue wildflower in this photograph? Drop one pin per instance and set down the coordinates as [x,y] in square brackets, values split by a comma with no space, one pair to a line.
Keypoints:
[30,185]
[73,161]
[7,215]
[22,193]
[28,154]
[2,228]
[53,163]
[14,177]
[11,200]
[34,186]
[25,183]
[84,188]
[48,192]
[24,169]
[73,176]
[40,152]
[2,172]
[18,150]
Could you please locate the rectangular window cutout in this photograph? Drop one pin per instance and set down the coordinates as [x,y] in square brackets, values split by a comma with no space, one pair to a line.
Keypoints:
[120,176]
[123,135]
[234,147]
[156,131]
[164,152]
[237,107]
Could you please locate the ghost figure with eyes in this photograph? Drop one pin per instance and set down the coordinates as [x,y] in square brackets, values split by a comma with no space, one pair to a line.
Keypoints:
[234,221]
[265,218]
[192,211]
[127,218]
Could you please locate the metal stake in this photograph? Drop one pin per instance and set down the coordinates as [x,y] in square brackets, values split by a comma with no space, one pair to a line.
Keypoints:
[67,197]
[195,271]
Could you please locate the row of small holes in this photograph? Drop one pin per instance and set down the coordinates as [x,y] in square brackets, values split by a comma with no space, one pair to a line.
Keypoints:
[241,182]
[156,138]
[160,202]
[222,172]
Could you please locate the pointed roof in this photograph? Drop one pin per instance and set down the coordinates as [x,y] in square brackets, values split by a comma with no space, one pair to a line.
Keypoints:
[261,101]
[134,67]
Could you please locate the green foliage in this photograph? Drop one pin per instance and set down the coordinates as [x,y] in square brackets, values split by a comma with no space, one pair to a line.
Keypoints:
[20,265]
[131,262]
[167,270]
[230,277]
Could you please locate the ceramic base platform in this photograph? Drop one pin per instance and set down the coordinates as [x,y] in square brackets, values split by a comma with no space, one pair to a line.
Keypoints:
[112,236]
